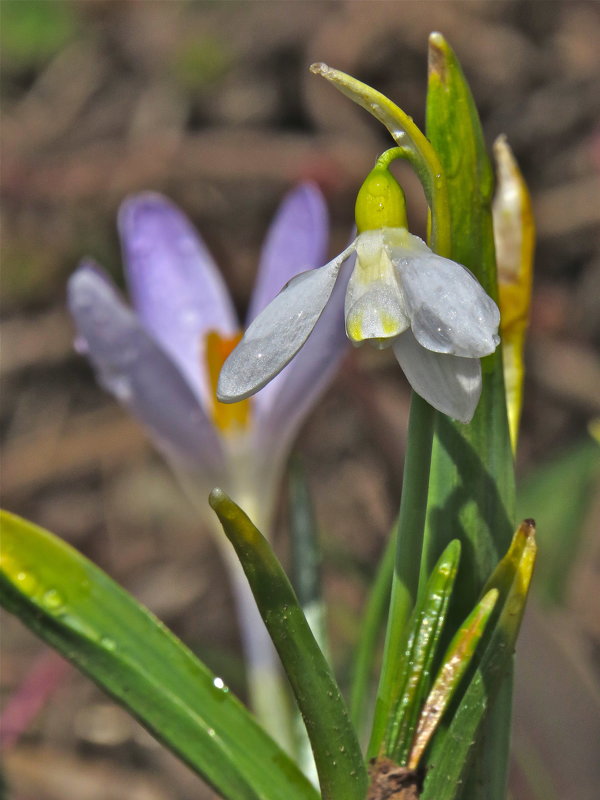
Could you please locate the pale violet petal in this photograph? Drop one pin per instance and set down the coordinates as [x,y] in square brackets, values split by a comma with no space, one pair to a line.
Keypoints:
[277,334]
[448,308]
[175,286]
[452,384]
[374,307]
[296,241]
[140,375]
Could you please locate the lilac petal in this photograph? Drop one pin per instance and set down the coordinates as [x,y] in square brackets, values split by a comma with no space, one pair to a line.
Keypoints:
[452,384]
[279,332]
[295,242]
[175,286]
[136,371]
[283,405]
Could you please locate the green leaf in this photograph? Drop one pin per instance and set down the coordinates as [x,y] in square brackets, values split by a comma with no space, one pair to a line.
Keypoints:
[454,665]
[306,555]
[472,475]
[558,495]
[471,487]
[398,710]
[451,751]
[338,758]
[93,622]
[371,626]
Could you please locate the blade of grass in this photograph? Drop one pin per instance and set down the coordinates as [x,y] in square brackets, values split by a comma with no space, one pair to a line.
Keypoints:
[339,761]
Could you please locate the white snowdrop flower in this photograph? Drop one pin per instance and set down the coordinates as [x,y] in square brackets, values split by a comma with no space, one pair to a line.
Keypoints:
[432,311]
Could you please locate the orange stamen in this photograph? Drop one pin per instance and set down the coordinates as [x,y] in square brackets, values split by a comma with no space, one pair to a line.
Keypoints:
[228,417]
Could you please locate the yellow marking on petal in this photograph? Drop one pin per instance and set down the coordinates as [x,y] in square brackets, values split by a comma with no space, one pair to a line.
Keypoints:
[354,329]
[356,332]
[514,237]
[388,323]
[227,417]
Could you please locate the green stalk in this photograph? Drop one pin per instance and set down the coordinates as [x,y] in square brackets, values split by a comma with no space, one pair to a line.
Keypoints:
[408,549]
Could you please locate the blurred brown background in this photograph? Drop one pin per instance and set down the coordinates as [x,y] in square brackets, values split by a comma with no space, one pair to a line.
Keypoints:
[212,103]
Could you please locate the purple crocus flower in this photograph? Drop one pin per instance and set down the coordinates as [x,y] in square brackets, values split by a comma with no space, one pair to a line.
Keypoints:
[161,359]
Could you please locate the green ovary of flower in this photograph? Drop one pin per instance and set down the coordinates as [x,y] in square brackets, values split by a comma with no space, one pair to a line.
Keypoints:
[380,202]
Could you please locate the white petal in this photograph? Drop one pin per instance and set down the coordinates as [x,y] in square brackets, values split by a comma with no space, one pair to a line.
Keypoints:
[451,384]
[276,335]
[448,308]
[374,307]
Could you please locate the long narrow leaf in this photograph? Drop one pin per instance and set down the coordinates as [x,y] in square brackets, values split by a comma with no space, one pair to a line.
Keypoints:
[80,611]
[306,555]
[559,495]
[414,665]
[472,492]
[339,761]
[454,665]
[451,753]
[371,628]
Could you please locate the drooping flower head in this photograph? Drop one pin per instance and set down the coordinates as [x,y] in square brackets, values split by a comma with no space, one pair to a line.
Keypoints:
[430,310]
[161,359]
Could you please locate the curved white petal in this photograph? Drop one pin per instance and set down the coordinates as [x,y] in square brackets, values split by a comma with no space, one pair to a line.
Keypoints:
[452,384]
[448,308]
[276,335]
[281,407]
[374,307]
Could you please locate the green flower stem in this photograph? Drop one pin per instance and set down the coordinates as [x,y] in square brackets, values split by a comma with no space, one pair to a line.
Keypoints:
[408,549]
